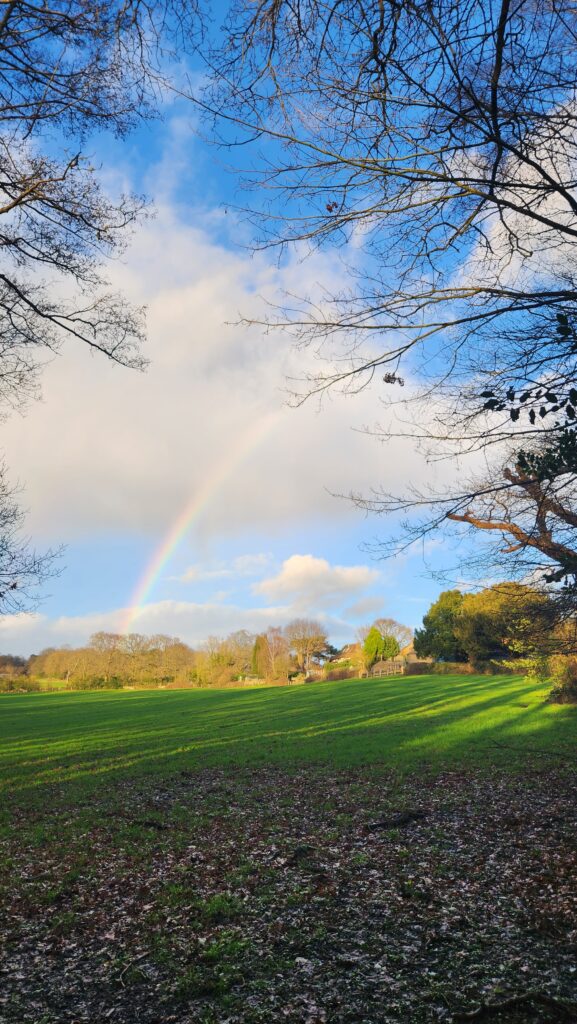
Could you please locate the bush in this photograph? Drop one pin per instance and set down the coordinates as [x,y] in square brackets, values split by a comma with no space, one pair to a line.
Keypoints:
[564,677]
[342,665]
[341,673]
[507,667]
[537,668]
[97,683]
[19,684]
[444,668]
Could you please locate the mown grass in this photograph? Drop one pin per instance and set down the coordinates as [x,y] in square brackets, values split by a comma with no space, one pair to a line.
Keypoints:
[137,887]
[79,740]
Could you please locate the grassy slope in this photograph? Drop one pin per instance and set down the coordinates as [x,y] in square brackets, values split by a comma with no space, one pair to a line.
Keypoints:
[403,722]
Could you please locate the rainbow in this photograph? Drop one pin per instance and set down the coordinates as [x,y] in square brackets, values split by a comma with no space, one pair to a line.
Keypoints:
[247,441]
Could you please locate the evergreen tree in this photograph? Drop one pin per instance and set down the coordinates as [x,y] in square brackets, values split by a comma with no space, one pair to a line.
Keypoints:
[260,657]
[437,638]
[378,647]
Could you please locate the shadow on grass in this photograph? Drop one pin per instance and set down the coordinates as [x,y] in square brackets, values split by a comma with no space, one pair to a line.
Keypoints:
[86,739]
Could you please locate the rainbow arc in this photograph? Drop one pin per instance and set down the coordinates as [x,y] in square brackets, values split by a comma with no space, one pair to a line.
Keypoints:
[234,455]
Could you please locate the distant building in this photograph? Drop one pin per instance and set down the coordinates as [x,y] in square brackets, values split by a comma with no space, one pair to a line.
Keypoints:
[350,652]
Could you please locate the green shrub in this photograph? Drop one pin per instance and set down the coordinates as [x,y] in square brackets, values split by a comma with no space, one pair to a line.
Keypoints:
[98,683]
[19,684]
[537,668]
[446,668]
[564,677]
[343,664]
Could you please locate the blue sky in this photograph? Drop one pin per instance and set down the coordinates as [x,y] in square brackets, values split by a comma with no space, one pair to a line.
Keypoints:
[108,459]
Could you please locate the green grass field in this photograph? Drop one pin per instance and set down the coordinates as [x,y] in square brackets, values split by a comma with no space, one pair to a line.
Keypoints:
[386,851]
[406,723]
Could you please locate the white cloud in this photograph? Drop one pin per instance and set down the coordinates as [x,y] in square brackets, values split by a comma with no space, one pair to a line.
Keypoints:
[20,623]
[303,584]
[109,449]
[241,566]
[310,582]
[30,632]
[194,622]
[251,565]
[190,621]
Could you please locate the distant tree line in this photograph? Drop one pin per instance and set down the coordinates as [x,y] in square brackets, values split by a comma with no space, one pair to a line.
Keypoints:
[115,660]
[509,624]
[506,621]
[300,649]
[12,665]
[111,659]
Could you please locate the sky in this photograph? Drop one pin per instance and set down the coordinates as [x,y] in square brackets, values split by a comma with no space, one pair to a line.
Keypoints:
[193,499]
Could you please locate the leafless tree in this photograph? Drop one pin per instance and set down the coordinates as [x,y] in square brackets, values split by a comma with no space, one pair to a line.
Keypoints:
[525,508]
[435,142]
[439,134]
[21,569]
[110,657]
[307,639]
[68,70]
[277,650]
[387,627]
[390,627]
[535,519]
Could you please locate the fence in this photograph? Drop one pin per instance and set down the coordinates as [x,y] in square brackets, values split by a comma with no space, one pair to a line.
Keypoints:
[394,669]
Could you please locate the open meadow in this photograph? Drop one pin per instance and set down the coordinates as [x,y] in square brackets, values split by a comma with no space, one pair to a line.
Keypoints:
[364,851]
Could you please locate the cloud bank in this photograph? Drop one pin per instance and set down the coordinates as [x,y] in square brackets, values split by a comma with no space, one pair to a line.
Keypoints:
[110,449]
[303,584]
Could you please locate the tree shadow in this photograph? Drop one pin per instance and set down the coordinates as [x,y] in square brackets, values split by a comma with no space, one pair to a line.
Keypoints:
[89,739]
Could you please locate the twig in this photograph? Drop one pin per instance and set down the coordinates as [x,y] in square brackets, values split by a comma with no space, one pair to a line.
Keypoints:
[130,964]
[569,1009]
